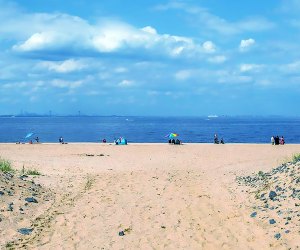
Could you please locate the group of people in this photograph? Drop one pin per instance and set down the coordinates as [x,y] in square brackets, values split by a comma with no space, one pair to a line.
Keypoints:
[275,140]
[216,140]
[175,142]
[120,141]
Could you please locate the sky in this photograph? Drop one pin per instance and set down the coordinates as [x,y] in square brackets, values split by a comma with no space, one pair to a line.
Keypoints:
[158,58]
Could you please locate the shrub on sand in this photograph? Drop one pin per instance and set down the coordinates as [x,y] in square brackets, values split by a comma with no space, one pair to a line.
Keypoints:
[32,172]
[5,166]
[296,158]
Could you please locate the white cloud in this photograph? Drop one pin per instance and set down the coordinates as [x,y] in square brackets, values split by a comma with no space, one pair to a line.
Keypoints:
[206,20]
[149,30]
[63,67]
[126,83]
[56,32]
[246,44]
[183,75]
[250,67]
[177,51]
[121,70]
[66,84]
[209,47]
[95,93]
[39,41]
[217,59]
[290,7]
[293,67]
[228,77]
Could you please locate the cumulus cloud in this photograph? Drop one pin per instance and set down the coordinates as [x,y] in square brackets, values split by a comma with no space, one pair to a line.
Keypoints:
[56,32]
[250,67]
[209,47]
[64,66]
[246,44]
[37,41]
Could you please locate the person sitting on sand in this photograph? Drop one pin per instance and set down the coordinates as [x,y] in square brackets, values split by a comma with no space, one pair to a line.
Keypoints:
[222,141]
[61,140]
[104,140]
[177,142]
[216,140]
[37,139]
[281,141]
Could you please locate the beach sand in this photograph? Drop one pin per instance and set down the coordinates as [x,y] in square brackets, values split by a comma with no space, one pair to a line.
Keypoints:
[160,196]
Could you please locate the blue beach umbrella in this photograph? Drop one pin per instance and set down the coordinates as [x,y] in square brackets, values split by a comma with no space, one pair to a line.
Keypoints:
[28,135]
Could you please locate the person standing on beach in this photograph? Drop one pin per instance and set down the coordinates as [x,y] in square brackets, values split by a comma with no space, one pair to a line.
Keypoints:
[276,140]
[272,140]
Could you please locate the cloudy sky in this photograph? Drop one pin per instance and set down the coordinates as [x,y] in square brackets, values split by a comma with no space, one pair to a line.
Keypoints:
[130,57]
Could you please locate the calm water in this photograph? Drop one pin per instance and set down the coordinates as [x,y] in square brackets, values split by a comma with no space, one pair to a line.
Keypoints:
[149,129]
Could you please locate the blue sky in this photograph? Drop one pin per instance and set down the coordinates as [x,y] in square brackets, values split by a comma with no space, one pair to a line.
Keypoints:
[193,57]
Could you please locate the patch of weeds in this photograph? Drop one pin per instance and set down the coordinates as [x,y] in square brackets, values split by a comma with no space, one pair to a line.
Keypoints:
[127,230]
[9,246]
[296,158]
[261,173]
[89,182]
[32,172]
[5,166]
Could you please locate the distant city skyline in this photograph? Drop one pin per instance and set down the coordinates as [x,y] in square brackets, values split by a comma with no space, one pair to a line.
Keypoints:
[190,57]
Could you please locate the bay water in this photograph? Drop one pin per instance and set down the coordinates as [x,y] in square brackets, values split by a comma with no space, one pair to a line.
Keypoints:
[150,129]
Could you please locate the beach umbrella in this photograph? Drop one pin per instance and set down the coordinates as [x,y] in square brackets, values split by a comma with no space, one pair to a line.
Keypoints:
[172,135]
[28,135]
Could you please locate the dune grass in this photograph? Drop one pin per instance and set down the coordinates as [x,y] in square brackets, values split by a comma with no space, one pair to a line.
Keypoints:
[32,172]
[296,158]
[5,166]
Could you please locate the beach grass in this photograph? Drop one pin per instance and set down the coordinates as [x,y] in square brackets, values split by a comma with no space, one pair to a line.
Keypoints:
[32,172]
[5,166]
[296,158]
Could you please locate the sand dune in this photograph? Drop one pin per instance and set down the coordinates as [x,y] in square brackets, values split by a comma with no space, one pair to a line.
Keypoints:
[160,196]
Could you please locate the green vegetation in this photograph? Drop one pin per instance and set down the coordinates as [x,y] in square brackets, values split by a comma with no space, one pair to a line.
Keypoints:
[296,158]
[5,166]
[127,230]
[261,173]
[32,172]
[9,246]
[90,180]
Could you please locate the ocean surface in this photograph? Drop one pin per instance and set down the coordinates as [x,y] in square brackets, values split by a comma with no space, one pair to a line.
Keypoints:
[149,129]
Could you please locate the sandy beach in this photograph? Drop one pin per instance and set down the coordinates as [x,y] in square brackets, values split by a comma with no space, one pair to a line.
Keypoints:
[147,196]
